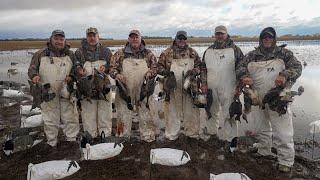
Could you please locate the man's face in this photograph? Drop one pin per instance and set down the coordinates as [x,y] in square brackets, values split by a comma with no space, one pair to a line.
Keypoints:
[134,40]
[92,39]
[221,37]
[267,40]
[181,41]
[58,41]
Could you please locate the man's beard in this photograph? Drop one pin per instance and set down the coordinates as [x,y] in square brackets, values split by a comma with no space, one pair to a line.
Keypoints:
[220,43]
[57,49]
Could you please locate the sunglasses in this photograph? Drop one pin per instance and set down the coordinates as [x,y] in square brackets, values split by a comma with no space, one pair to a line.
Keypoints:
[181,38]
[265,36]
[218,33]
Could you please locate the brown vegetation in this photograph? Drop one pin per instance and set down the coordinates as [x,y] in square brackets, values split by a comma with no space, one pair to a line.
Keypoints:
[8,45]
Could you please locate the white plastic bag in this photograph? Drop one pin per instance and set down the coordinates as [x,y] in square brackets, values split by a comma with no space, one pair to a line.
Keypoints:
[315,127]
[101,151]
[32,121]
[169,157]
[12,93]
[52,170]
[26,110]
[229,176]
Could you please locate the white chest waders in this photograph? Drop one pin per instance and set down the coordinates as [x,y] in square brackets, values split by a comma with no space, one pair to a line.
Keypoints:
[222,80]
[134,71]
[180,111]
[266,122]
[54,70]
[97,116]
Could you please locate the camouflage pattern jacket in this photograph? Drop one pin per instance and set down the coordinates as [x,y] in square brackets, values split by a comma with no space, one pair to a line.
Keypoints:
[126,52]
[33,69]
[83,54]
[293,67]
[174,52]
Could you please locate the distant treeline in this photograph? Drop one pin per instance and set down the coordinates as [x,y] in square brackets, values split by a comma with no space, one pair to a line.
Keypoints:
[45,39]
[155,37]
[32,43]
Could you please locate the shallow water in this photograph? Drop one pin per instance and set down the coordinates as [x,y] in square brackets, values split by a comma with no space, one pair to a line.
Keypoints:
[305,107]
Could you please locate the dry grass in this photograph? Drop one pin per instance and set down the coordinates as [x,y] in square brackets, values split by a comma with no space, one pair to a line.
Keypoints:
[18,45]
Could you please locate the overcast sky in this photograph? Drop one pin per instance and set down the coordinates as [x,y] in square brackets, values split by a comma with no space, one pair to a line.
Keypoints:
[114,18]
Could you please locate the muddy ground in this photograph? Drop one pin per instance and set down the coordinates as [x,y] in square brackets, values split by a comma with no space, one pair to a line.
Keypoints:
[133,162]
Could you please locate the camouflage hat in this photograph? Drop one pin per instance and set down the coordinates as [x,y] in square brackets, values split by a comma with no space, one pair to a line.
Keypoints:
[181,33]
[221,29]
[92,30]
[57,32]
[269,32]
[134,31]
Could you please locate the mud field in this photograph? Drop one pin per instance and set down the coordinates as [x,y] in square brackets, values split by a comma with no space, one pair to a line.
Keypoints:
[133,163]
[212,156]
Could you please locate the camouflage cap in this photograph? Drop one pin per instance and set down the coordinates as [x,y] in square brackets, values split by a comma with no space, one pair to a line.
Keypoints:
[269,32]
[57,32]
[181,33]
[134,31]
[221,29]
[92,30]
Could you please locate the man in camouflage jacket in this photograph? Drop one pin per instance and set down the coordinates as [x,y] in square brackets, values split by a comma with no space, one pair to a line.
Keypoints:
[131,65]
[221,59]
[266,67]
[182,60]
[97,112]
[53,65]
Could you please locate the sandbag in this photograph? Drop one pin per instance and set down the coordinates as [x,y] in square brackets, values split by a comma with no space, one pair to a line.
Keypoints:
[12,93]
[229,176]
[52,170]
[102,151]
[169,157]
[32,121]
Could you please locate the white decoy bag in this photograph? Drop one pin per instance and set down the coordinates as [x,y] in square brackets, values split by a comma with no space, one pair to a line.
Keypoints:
[229,176]
[169,157]
[101,151]
[52,170]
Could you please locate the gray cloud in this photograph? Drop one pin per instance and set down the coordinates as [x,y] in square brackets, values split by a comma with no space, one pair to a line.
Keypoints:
[218,3]
[260,5]
[68,4]
[32,18]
